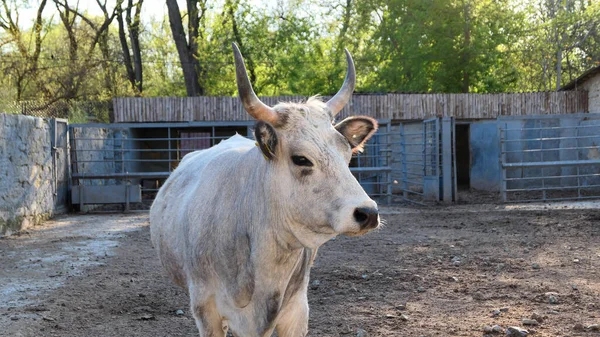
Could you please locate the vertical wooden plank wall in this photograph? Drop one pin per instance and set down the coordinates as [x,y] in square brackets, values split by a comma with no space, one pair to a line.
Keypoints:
[385,106]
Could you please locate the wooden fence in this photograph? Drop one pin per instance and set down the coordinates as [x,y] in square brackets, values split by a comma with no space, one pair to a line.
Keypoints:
[385,106]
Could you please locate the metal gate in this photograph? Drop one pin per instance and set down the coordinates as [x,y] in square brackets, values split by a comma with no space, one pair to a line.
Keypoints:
[550,158]
[60,163]
[372,168]
[427,160]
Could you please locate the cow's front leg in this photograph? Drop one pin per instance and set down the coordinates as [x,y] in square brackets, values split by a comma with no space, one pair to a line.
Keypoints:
[208,320]
[293,318]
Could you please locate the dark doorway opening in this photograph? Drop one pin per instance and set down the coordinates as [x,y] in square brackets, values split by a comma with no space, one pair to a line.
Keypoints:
[463,156]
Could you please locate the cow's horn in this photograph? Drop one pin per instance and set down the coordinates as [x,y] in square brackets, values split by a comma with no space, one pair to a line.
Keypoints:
[337,102]
[252,104]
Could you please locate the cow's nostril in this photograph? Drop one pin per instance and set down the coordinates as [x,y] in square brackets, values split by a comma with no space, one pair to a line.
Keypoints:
[360,215]
[366,217]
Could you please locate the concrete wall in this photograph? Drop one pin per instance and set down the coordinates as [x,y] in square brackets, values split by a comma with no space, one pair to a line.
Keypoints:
[593,87]
[26,172]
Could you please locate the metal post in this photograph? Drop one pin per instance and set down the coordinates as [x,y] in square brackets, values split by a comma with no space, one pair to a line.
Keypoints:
[578,176]
[542,159]
[127,195]
[169,147]
[54,161]
[388,162]
[446,159]
[404,166]
[81,194]
[454,177]
[502,162]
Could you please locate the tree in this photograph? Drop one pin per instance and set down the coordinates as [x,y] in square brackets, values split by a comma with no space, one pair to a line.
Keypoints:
[133,60]
[187,48]
[26,67]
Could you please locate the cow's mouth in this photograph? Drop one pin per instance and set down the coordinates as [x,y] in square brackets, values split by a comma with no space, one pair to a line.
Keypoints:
[360,232]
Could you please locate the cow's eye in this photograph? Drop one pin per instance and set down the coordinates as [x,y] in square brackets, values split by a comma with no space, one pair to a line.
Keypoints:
[301,161]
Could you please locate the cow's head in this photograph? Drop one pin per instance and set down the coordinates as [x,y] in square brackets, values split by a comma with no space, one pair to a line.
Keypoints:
[308,158]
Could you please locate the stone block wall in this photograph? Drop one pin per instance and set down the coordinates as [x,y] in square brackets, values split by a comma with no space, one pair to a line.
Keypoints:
[593,87]
[26,172]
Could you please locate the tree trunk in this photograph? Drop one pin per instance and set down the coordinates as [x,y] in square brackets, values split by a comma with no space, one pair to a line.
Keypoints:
[238,39]
[133,63]
[467,45]
[134,36]
[187,52]
[125,49]
[558,68]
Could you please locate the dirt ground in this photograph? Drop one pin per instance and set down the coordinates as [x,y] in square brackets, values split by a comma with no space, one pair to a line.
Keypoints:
[441,271]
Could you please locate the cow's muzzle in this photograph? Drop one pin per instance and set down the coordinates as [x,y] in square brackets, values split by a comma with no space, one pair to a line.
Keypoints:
[366,217]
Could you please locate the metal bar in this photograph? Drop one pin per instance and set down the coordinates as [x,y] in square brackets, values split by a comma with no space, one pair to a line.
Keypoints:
[162,139]
[169,146]
[551,188]
[577,167]
[403,155]
[554,128]
[125,161]
[554,149]
[416,164]
[193,124]
[387,163]
[555,199]
[81,197]
[74,163]
[556,177]
[414,154]
[413,174]
[446,159]
[138,150]
[54,141]
[144,175]
[419,183]
[413,192]
[542,159]
[548,138]
[502,160]
[455,177]
[551,163]
[370,169]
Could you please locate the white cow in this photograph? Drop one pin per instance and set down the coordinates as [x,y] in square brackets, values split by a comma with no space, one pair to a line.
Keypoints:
[238,225]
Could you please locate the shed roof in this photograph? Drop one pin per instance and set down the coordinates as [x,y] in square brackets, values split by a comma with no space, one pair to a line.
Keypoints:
[584,77]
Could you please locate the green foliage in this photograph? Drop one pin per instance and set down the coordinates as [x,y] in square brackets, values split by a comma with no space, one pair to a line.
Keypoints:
[296,48]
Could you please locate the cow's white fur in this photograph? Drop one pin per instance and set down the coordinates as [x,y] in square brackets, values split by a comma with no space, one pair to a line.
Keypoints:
[239,232]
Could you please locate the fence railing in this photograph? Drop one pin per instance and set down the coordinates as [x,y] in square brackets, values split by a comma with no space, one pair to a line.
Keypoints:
[75,111]
[123,163]
[550,160]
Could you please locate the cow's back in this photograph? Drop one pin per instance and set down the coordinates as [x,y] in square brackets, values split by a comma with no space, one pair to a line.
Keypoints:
[187,192]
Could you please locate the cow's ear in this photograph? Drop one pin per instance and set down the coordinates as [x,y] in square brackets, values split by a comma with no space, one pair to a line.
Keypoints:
[357,129]
[266,138]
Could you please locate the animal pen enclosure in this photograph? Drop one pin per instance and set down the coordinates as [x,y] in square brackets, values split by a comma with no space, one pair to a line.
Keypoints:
[127,163]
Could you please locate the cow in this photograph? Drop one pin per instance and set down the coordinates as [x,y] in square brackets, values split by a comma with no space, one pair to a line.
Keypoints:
[238,225]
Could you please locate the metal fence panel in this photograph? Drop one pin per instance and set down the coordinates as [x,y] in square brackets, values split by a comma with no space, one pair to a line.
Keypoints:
[60,163]
[550,159]
[146,153]
[427,161]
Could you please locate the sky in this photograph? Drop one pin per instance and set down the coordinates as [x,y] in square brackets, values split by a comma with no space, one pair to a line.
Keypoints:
[151,9]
